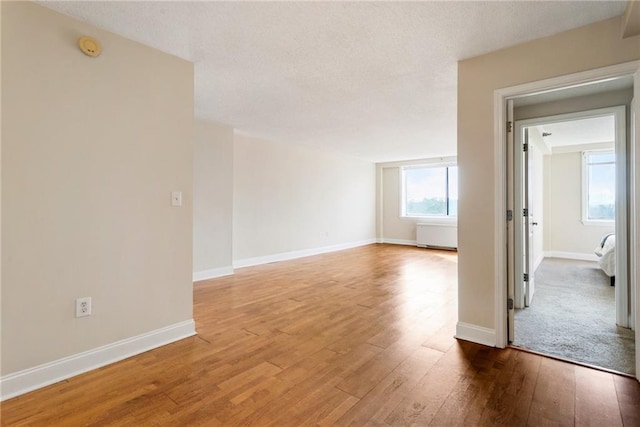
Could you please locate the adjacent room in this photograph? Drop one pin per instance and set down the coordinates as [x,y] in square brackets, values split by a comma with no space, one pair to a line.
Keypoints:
[297,213]
[568,307]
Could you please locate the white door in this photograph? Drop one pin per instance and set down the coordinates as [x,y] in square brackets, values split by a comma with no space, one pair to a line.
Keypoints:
[528,283]
[521,226]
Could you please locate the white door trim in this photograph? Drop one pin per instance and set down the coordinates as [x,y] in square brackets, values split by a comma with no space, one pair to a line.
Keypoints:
[499,148]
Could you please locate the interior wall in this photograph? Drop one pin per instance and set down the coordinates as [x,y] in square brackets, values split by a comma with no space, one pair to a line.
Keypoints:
[291,198]
[395,228]
[572,105]
[567,234]
[91,150]
[1,258]
[212,199]
[589,47]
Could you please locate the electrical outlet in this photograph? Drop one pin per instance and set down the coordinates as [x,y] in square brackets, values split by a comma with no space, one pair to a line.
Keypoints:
[83,307]
[176,198]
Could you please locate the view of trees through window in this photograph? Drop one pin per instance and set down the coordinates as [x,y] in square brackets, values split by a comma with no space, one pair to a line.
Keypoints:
[601,185]
[431,191]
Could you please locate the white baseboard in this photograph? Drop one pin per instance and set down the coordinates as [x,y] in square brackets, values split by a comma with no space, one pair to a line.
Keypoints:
[476,334]
[537,263]
[399,242]
[571,255]
[284,256]
[21,382]
[212,273]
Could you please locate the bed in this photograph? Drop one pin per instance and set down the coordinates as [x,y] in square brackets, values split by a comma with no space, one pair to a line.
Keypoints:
[606,253]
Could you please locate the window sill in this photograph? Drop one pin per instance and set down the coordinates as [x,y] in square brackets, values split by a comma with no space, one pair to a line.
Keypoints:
[433,220]
[599,223]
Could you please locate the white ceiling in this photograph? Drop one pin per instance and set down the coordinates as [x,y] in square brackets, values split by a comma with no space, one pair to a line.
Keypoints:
[579,132]
[376,80]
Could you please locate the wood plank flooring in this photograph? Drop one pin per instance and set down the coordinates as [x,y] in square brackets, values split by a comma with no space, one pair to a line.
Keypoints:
[352,338]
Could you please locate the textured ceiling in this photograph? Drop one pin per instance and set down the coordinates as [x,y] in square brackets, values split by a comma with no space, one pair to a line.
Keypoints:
[375,80]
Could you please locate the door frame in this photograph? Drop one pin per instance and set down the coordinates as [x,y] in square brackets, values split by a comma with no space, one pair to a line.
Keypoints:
[500,182]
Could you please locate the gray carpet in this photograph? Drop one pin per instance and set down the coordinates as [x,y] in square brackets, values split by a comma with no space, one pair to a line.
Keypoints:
[573,316]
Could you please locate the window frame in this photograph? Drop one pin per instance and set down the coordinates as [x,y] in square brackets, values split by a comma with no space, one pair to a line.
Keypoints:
[425,219]
[585,190]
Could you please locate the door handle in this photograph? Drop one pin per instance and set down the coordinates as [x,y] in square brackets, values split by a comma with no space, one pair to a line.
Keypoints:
[534,223]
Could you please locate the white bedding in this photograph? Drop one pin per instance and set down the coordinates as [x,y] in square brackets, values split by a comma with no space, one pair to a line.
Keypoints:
[606,253]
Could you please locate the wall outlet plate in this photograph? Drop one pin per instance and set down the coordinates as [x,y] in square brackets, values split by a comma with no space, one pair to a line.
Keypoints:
[83,307]
[176,198]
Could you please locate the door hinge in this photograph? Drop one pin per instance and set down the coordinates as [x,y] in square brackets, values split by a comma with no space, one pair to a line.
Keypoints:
[525,147]
[526,277]
[525,212]
[509,127]
[509,303]
[509,215]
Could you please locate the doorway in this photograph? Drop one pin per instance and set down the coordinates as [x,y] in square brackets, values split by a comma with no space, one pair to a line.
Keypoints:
[570,184]
[557,86]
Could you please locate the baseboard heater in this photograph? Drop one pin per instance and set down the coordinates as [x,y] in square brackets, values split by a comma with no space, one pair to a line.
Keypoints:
[442,236]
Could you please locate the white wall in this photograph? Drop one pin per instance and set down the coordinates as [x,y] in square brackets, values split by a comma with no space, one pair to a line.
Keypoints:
[291,198]
[565,230]
[593,46]
[212,200]
[91,150]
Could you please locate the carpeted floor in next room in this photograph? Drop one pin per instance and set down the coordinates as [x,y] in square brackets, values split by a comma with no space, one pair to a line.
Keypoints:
[573,316]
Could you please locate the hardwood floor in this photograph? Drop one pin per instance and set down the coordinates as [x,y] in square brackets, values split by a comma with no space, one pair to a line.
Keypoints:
[357,337]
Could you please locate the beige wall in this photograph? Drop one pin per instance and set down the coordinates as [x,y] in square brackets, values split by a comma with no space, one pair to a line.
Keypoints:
[212,196]
[1,258]
[593,46]
[92,148]
[291,198]
[565,230]
[394,227]
[572,105]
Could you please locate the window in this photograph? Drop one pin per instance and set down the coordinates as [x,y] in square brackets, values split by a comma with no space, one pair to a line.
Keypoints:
[430,191]
[599,186]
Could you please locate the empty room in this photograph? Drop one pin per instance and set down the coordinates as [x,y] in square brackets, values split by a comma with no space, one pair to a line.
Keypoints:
[313,213]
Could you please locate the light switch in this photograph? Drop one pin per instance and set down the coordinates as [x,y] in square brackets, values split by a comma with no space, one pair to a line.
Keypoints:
[176,198]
